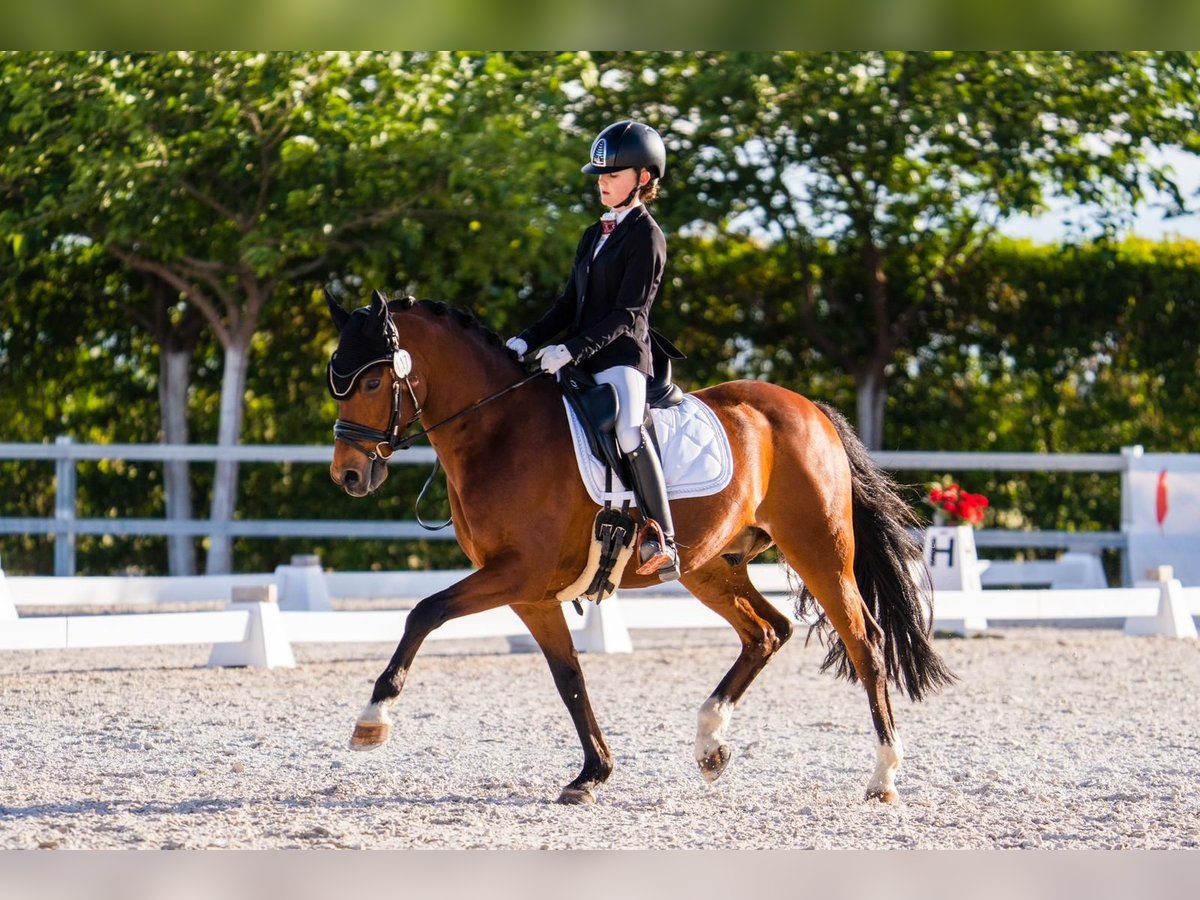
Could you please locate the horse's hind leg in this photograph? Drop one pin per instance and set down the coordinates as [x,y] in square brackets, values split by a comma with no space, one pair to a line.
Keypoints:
[864,644]
[549,629]
[726,589]
[826,567]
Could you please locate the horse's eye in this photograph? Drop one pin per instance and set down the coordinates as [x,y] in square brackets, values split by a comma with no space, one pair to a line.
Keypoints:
[373,384]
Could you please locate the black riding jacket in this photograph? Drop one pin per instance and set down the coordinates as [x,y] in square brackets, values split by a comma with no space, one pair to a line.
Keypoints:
[604,310]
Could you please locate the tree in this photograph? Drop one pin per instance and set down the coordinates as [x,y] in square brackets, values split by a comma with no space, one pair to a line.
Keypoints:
[227,176]
[900,166]
[70,363]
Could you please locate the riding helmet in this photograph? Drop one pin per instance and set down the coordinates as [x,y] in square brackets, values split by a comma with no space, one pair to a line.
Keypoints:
[628,145]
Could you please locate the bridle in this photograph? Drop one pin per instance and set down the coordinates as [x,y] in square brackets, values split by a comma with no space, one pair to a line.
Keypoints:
[392,438]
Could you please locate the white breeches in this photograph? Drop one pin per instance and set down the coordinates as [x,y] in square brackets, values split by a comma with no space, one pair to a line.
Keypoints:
[631,389]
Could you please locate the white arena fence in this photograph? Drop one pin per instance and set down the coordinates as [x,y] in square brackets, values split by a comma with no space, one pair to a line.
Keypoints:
[66,454]
[266,614]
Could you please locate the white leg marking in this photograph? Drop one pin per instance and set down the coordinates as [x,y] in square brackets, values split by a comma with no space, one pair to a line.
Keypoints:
[887,762]
[710,726]
[375,713]
[373,727]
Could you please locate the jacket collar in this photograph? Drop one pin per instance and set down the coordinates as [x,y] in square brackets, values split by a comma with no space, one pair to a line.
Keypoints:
[623,228]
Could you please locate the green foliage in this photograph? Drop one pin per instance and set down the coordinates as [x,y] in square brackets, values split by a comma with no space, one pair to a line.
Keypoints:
[884,174]
[242,181]
[828,213]
[1074,349]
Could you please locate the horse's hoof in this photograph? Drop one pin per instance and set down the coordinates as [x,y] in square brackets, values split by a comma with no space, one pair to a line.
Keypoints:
[369,735]
[883,795]
[577,797]
[714,764]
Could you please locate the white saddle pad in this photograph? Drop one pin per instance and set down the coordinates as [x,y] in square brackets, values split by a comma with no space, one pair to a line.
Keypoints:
[697,460]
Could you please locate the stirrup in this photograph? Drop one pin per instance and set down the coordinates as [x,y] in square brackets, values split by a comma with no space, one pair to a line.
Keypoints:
[658,557]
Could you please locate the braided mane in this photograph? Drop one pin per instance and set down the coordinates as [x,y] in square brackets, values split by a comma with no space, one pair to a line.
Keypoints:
[461,317]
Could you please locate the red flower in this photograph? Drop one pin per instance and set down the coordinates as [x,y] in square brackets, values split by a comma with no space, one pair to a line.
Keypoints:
[950,501]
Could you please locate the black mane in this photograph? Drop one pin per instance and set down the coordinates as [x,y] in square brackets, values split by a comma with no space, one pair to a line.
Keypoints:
[461,317]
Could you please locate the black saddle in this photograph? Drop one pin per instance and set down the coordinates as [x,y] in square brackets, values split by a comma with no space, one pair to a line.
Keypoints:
[596,405]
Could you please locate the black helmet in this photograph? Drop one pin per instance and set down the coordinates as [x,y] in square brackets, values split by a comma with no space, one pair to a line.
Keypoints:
[628,145]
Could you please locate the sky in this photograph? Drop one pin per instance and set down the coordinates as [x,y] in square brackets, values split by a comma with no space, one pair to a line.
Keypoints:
[1063,220]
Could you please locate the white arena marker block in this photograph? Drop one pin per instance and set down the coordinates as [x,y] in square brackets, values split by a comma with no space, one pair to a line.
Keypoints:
[8,611]
[949,554]
[302,585]
[265,644]
[522,643]
[604,629]
[1174,618]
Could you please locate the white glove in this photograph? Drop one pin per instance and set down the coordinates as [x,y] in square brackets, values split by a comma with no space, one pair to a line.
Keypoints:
[553,358]
[517,346]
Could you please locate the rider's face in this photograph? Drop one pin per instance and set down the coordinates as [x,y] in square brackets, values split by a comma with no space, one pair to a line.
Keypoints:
[616,186]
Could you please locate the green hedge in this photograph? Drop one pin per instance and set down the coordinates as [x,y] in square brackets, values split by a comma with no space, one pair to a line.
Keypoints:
[1040,349]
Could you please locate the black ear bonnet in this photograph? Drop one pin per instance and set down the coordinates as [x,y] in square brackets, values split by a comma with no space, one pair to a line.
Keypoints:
[368,338]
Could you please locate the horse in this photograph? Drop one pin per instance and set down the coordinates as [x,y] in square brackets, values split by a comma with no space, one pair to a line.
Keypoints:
[803,482]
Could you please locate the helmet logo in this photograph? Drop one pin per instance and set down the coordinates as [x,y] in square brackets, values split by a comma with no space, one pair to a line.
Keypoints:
[599,152]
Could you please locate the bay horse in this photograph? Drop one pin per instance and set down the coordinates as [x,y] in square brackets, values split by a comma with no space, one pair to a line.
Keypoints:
[802,482]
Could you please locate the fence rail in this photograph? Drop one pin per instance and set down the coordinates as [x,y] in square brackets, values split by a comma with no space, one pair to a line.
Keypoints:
[64,526]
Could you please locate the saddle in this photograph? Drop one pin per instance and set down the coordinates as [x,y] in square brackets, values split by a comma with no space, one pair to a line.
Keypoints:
[596,405]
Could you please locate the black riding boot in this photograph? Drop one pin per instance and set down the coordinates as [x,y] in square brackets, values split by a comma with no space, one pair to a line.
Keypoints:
[656,557]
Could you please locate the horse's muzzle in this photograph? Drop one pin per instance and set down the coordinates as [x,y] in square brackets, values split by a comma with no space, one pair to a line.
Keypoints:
[350,481]
[358,483]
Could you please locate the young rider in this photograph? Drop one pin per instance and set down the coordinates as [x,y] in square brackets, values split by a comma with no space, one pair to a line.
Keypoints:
[602,319]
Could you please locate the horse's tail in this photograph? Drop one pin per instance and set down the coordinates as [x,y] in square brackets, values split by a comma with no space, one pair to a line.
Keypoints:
[885,556]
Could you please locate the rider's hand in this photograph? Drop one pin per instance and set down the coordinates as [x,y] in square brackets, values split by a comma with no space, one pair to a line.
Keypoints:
[517,346]
[553,358]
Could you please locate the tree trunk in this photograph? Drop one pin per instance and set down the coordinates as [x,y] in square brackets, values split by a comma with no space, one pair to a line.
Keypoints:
[869,402]
[174,365]
[229,430]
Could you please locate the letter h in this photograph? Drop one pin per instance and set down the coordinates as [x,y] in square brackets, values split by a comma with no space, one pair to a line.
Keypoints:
[934,550]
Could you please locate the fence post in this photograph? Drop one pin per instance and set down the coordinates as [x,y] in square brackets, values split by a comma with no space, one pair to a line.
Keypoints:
[1128,454]
[1173,619]
[302,584]
[64,508]
[8,611]
[604,629]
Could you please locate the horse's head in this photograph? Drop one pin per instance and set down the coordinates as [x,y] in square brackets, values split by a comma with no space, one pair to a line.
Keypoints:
[368,376]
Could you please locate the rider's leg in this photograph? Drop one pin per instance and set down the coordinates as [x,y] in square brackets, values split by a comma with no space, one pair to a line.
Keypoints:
[631,388]
[657,557]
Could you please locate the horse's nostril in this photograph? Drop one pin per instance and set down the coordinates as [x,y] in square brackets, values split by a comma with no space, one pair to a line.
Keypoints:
[349,477]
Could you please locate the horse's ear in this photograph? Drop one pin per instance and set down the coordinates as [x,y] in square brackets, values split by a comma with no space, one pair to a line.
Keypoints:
[379,303]
[335,310]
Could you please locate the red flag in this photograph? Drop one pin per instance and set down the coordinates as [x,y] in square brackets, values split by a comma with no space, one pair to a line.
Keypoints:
[1160,509]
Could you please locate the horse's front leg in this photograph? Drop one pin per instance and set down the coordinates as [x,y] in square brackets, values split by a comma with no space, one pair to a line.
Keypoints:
[484,589]
[549,628]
